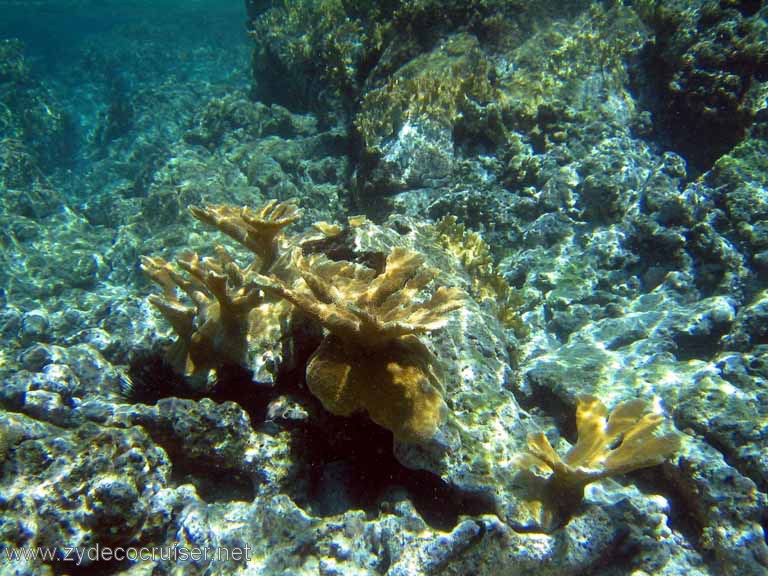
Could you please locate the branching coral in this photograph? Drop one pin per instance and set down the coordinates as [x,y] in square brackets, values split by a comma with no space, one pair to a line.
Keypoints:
[211,332]
[258,230]
[226,310]
[607,445]
[372,360]
[360,307]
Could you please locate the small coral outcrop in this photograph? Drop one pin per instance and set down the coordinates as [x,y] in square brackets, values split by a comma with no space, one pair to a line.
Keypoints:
[223,311]
[608,444]
[372,360]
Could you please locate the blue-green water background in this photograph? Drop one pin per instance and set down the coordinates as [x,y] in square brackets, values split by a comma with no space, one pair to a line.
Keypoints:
[91,55]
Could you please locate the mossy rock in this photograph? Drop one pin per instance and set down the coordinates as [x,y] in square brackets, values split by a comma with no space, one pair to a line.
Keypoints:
[435,87]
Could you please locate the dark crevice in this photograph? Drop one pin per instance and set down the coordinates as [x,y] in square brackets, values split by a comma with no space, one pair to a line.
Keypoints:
[621,555]
[702,346]
[235,384]
[152,378]
[748,8]
[213,484]
[544,400]
[348,464]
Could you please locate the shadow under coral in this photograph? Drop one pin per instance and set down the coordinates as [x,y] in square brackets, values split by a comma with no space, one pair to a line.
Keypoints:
[343,463]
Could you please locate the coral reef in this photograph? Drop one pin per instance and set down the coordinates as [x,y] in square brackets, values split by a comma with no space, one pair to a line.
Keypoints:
[553,160]
[323,55]
[228,310]
[607,445]
[372,360]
